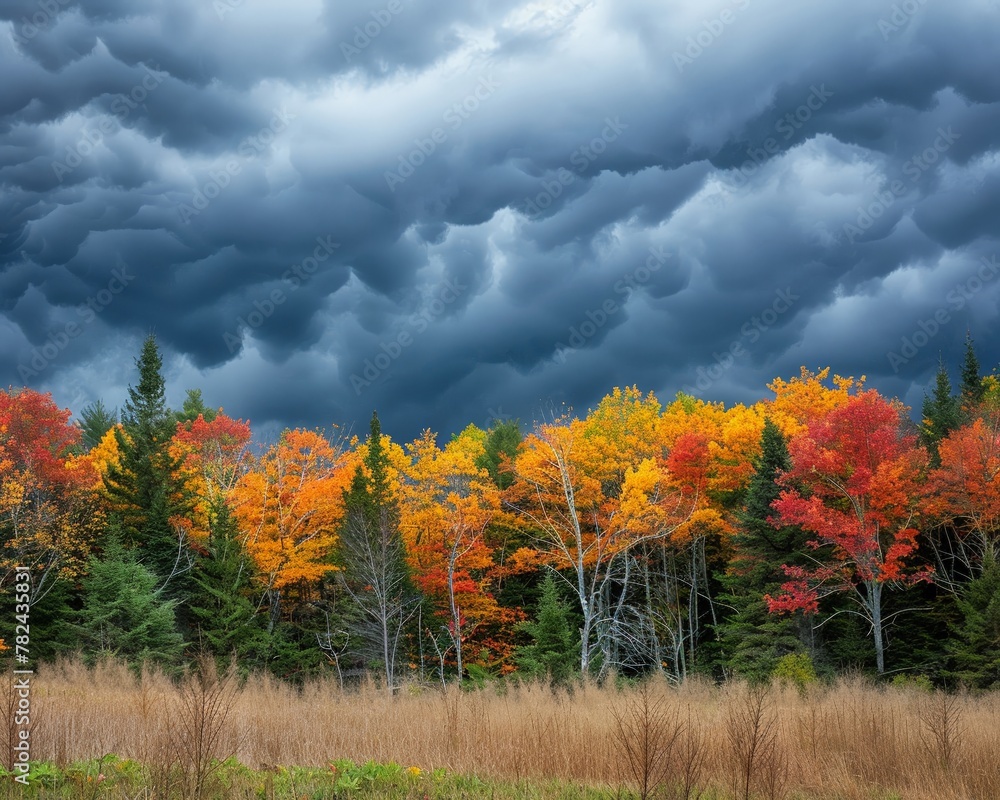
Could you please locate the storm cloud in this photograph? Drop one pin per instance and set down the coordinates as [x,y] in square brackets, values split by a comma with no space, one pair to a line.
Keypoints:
[459,211]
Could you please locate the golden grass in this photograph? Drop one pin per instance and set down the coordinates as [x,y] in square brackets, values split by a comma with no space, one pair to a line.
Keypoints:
[849,740]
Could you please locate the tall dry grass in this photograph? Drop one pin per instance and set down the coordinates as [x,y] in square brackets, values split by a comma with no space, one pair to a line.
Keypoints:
[849,740]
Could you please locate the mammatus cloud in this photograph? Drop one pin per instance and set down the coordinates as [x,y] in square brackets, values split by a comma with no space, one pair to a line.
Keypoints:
[458,211]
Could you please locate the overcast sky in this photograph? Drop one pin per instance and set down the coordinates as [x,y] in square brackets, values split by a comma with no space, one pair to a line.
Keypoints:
[456,210]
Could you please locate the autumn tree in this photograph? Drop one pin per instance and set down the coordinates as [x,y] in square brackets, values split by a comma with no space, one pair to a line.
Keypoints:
[374,572]
[289,509]
[854,485]
[448,502]
[963,493]
[593,490]
[46,519]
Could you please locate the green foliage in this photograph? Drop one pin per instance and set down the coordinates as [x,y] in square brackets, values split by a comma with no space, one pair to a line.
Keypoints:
[919,682]
[941,413]
[123,615]
[502,441]
[753,641]
[972,389]
[975,648]
[381,601]
[796,669]
[144,489]
[95,421]
[225,618]
[554,651]
[193,407]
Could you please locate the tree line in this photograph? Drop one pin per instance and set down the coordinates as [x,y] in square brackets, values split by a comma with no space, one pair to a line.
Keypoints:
[817,530]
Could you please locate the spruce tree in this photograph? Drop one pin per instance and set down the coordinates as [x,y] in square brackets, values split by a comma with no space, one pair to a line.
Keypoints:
[144,488]
[382,601]
[123,615]
[972,390]
[941,414]
[223,615]
[975,648]
[554,650]
[752,639]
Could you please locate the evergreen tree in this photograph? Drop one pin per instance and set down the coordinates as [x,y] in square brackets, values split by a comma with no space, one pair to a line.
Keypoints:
[972,390]
[375,576]
[224,617]
[123,614]
[554,651]
[95,421]
[193,406]
[976,647]
[502,440]
[752,639]
[144,489]
[941,413]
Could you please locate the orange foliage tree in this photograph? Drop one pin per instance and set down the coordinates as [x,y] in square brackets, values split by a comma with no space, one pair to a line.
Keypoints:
[447,504]
[288,509]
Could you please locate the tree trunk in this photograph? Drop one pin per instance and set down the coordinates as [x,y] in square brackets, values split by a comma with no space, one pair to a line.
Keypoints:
[875,607]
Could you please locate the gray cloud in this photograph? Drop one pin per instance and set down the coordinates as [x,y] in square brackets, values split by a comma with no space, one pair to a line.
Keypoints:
[490,180]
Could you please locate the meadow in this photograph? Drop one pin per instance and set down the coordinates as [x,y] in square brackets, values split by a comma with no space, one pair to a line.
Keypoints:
[849,739]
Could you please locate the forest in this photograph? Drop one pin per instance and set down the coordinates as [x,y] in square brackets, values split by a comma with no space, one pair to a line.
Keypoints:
[817,532]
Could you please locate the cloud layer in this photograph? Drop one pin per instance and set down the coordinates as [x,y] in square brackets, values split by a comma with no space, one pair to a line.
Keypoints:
[456,211]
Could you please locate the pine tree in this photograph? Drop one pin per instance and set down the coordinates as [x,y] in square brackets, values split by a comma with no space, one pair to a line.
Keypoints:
[554,651]
[375,576]
[976,647]
[95,421]
[972,390]
[941,413]
[144,489]
[123,615]
[752,639]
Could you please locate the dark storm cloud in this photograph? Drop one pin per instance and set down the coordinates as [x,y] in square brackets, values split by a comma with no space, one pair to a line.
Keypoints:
[459,212]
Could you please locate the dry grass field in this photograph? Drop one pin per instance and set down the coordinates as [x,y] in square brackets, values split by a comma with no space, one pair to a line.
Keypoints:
[847,740]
